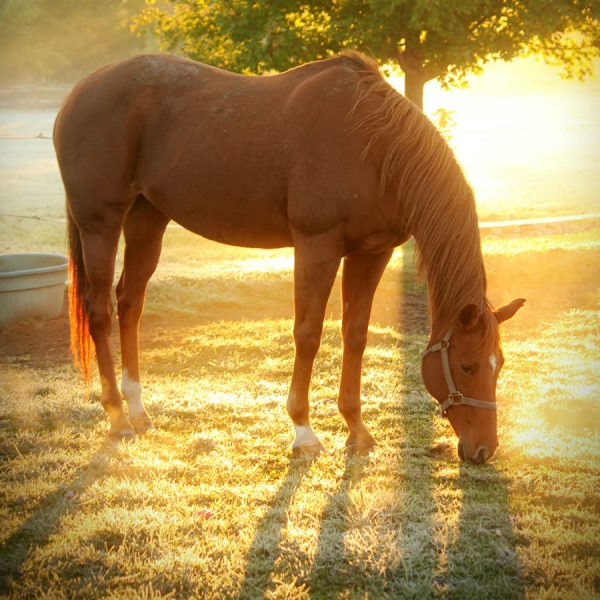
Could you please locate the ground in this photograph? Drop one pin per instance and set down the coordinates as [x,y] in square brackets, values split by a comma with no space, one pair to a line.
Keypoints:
[212,503]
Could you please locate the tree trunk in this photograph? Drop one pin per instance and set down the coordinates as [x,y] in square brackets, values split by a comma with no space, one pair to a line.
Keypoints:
[415,75]
[414,84]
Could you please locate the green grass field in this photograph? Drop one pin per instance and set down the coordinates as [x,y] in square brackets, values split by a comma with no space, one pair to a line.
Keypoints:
[211,504]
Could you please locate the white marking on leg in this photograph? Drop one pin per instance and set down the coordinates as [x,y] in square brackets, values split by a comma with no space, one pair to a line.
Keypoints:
[132,390]
[493,362]
[305,436]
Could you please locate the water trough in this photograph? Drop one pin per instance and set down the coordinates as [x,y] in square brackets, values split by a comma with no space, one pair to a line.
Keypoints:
[31,285]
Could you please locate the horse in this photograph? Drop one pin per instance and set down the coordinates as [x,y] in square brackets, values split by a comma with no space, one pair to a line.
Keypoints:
[326,158]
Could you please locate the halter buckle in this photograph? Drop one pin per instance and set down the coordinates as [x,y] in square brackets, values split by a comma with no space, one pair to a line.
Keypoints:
[456,397]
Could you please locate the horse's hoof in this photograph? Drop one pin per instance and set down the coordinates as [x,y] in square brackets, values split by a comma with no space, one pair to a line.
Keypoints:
[308,450]
[362,446]
[121,434]
[359,450]
[142,423]
[121,429]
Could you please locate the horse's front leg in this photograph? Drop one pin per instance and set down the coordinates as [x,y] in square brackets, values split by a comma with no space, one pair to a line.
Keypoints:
[360,277]
[316,261]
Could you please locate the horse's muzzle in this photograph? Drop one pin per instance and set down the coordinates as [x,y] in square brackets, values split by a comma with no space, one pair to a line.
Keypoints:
[482,455]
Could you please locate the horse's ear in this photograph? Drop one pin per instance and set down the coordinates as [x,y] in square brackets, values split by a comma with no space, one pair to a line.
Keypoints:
[508,311]
[469,316]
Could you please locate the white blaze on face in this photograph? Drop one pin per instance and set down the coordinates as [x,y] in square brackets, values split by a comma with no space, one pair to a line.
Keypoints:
[132,390]
[305,436]
[493,362]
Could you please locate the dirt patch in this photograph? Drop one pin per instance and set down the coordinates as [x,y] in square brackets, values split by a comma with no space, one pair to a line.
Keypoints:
[36,342]
[42,344]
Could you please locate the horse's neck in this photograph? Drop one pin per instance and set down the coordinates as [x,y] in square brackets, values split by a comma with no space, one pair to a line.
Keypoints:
[432,200]
[455,272]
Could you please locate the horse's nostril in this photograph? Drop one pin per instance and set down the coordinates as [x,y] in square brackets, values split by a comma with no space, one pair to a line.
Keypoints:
[461,452]
[481,456]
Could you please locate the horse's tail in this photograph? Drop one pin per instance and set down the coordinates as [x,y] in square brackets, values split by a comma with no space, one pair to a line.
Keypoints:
[79,322]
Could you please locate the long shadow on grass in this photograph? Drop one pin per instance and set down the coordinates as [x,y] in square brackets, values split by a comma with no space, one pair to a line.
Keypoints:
[46,517]
[482,561]
[264,552]
[413,576]
[332,572]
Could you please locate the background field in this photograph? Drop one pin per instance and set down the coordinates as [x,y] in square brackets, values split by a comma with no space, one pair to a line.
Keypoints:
[212,504]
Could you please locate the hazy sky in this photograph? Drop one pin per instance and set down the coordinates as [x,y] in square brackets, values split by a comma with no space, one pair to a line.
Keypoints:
[528,140]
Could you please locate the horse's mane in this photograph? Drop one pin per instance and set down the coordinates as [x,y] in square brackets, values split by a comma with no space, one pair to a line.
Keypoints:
[434,199]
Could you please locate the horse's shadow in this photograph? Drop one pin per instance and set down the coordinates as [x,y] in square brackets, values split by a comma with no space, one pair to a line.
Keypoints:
[264,551]
[46,517]
[330,567]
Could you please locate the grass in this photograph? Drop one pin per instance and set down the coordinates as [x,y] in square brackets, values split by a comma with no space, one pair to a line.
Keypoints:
[87,519]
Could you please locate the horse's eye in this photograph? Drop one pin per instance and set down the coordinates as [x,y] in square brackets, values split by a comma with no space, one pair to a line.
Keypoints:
[469,369]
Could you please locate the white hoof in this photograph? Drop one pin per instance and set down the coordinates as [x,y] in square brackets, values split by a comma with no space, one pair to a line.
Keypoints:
[306,442]
[132,391]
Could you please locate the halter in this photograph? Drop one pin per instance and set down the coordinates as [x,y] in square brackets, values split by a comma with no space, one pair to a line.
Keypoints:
[455,398]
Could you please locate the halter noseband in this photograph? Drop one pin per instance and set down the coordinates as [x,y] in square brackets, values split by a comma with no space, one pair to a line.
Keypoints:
[455,398]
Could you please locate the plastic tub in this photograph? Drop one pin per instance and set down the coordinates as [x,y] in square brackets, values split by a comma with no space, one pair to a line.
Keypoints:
[31,285]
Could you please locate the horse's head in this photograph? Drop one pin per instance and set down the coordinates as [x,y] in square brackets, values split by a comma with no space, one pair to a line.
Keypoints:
[461,371]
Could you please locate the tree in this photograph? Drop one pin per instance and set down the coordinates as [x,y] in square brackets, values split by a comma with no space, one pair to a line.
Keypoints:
[427,39]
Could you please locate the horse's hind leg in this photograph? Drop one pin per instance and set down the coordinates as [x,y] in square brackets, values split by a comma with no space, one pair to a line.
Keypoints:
[99,244]
[360,277]
[143,230]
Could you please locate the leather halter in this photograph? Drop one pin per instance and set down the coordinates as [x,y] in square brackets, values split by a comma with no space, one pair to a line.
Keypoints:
[455,398]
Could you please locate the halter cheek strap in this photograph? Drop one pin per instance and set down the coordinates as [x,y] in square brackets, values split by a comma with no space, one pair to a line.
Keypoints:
[455,398]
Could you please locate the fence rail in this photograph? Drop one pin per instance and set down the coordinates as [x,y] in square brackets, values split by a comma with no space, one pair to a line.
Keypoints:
[539,221]
[510,223]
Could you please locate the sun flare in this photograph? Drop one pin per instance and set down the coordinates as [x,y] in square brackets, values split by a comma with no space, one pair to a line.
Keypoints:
[526,139]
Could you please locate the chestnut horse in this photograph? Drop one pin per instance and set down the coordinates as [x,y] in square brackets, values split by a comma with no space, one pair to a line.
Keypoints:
[327,158]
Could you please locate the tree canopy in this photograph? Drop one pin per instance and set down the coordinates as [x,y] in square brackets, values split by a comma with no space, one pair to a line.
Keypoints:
[427,39]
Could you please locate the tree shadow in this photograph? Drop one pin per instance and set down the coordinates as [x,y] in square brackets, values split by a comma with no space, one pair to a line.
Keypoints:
[416,536]
[413,576]
[482,562]
[479,560]
[264,551]
[46,517]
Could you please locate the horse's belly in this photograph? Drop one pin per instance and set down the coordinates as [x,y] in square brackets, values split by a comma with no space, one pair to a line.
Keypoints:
[219,183]
[221,195]
[248,223]
[251,236]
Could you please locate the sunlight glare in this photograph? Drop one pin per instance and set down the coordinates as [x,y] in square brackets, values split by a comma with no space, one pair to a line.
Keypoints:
[526,139]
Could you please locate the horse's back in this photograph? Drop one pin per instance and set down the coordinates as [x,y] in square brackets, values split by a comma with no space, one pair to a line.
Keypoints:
[231,157]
